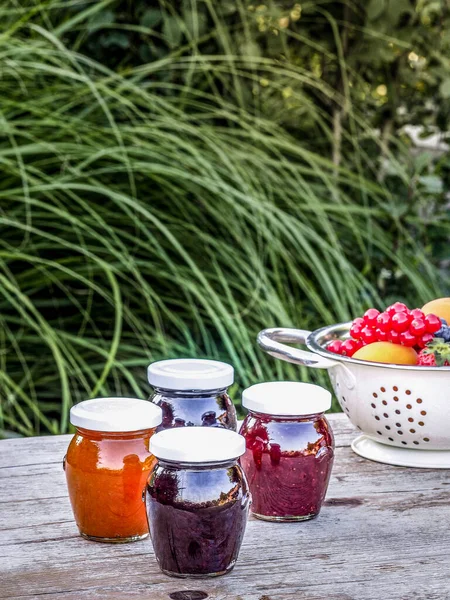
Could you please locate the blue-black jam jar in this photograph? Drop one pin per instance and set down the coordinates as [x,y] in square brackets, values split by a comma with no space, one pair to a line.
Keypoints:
[197,501]
[193,393]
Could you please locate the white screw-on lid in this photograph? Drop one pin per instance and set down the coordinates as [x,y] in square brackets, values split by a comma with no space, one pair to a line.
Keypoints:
[115,414]
[190,374]
[197,444]
[286,398]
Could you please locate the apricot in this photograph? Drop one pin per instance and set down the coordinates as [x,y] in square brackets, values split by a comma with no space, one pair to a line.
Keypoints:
[439,307]
[386,352]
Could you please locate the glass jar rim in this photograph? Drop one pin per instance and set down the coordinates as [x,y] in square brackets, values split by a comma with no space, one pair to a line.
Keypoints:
[115,415]
[190,374]
[197,445]
[286,398]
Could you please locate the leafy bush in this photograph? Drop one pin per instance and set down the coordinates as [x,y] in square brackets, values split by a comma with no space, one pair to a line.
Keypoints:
[149,212]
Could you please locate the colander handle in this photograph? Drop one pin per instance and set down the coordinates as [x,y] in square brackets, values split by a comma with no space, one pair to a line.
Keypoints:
[270,341]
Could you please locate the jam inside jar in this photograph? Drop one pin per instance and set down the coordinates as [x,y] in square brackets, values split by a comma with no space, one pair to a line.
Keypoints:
[193,393]
[106,471]
[288,457]
[197,501]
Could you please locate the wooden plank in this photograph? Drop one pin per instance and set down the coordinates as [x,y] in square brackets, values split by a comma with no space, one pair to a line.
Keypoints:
[39,489]
[33,451]
[348,545]
[51,449]
[383,533]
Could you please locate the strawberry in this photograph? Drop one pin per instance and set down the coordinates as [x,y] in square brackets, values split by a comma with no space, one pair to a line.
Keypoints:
[435,354]
[426,360]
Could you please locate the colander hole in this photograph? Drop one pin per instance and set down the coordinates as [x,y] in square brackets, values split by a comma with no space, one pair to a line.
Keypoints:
[416,443]
[377,418]
[426,439]
[384,402]
[387,427]
[404,443]
[419,400]
[408,393]
[391,439]
[397,412]
[385,415]
[423,412]
[421,423]
[398,424]
[400,432]
[375,395]
[344,399]
[373,405]
[409,406]
[379,433]
[412,430]
[396,398]
[395,388]
[411,420]
[382,389]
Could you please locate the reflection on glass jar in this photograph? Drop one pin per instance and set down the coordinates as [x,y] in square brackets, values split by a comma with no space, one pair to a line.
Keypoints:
[197,501]
[289,449]
[193,392]
[107,465]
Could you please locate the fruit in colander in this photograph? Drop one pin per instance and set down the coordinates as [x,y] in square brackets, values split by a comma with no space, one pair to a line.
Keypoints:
[386,352]
[397,325]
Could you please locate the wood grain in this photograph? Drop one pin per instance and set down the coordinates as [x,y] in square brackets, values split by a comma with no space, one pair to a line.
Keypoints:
[384,533]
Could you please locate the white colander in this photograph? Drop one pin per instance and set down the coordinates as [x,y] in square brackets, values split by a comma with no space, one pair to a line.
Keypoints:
[402,411]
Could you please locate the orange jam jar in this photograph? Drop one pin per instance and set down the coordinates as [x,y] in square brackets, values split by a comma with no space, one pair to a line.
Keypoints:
[107,465]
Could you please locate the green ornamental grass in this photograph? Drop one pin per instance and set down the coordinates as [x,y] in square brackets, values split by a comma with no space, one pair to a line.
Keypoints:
[143,219]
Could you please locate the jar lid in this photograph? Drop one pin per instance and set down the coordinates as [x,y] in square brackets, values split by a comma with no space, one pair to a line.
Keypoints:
[116,414]
[288,398]
[190,374]
[197,444]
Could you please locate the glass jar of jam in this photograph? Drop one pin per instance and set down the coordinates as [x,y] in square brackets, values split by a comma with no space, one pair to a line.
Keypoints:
[289,449]
[107,465]
[193,392]
[197,500]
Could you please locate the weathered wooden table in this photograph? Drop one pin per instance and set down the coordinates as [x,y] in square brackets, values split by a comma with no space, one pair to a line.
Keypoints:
[384,533]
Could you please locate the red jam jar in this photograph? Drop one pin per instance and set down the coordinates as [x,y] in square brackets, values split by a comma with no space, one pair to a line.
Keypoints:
[289,449]
[107,465]
[197,500]
[193,393]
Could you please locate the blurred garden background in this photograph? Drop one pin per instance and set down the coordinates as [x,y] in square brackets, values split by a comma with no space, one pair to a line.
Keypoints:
[177,175]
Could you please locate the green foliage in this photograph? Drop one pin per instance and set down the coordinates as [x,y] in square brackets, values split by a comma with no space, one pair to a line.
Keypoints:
[175,204]
[387,58]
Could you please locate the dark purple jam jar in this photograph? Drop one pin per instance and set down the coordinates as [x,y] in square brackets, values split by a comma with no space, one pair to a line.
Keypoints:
[197,501]
[193,393]
[289,449]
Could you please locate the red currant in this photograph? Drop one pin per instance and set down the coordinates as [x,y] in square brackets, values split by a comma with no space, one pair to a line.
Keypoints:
[424,339]
[408,339]
[384,321]
[433,323]
[370,317]
[394,337]
[397,307]
[355,329]
[417,327]
[368,335]
[416,313]
[349,347]
[335,346]
[400,322]
[382,336]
